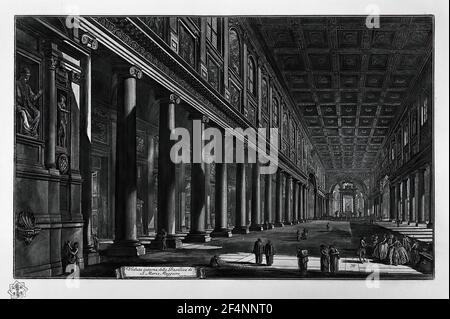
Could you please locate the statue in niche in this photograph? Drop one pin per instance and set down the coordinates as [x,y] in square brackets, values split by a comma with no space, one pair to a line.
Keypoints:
[62,124]
[26,101]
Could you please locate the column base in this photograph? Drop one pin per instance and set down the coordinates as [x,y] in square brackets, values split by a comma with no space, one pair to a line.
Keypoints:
[172,241]
[197,238]
[221,232]
[269,226]
[146,240]
[256,228]
[126,249]
[288,223]
[91,258]
[240,230]
[279,224]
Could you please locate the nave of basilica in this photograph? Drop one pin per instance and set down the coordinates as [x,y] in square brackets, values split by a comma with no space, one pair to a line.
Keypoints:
[96,102]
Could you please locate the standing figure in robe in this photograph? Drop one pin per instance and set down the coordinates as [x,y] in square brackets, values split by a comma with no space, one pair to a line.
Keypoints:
[302,256]
[381,249]
[258,250]
[324,259]
[399,255]
[415,250]
[406,243]
[269,251]
[334,259]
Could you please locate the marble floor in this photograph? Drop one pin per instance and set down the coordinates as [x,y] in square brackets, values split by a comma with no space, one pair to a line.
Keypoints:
[239,262]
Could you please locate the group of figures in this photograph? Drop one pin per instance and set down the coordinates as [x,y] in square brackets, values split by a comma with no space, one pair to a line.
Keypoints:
[390,249]
[260,249]
[329,259]
[303,235]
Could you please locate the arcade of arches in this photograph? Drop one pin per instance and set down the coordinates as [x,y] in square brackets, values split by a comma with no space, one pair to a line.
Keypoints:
[96,106]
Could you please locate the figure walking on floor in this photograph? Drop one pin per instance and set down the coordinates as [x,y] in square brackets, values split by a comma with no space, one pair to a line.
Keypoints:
[362,250]
[269,251]
[324,259]
[302,256]
[258,250]
[334,259]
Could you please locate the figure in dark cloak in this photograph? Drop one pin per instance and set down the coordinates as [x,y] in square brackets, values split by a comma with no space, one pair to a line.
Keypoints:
[381,249]
[162,236]
[304,234]
[415,250]
[398,254]
[334,259]
[302,257]
[373,244]
[258,250]
[406,243]
[269,251]
[324,259]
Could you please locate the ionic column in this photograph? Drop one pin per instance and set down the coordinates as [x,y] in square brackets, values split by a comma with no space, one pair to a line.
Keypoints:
[393,203]
[430,199]
[125,241]
[411,218]
[241,214]
[167,172]
[50,136]
[418,196]
[295,203]
[399,201]
[315,204]
[268,202]
[150,180]
[221,226]
[306,206]
[287,201]
[208,196]
[197,231]
[279,200]
[256,199]
[85,166]
[404,200]
[300,202]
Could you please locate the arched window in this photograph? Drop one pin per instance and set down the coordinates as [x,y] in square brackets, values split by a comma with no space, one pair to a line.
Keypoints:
[251,76]
[235,52]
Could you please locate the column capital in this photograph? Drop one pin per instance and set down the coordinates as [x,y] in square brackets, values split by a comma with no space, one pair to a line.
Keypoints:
[199,116]
[135,72]
[127,71]
[172,99]
[89,41]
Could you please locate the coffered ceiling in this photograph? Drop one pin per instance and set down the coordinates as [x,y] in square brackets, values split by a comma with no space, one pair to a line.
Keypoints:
[348,81]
